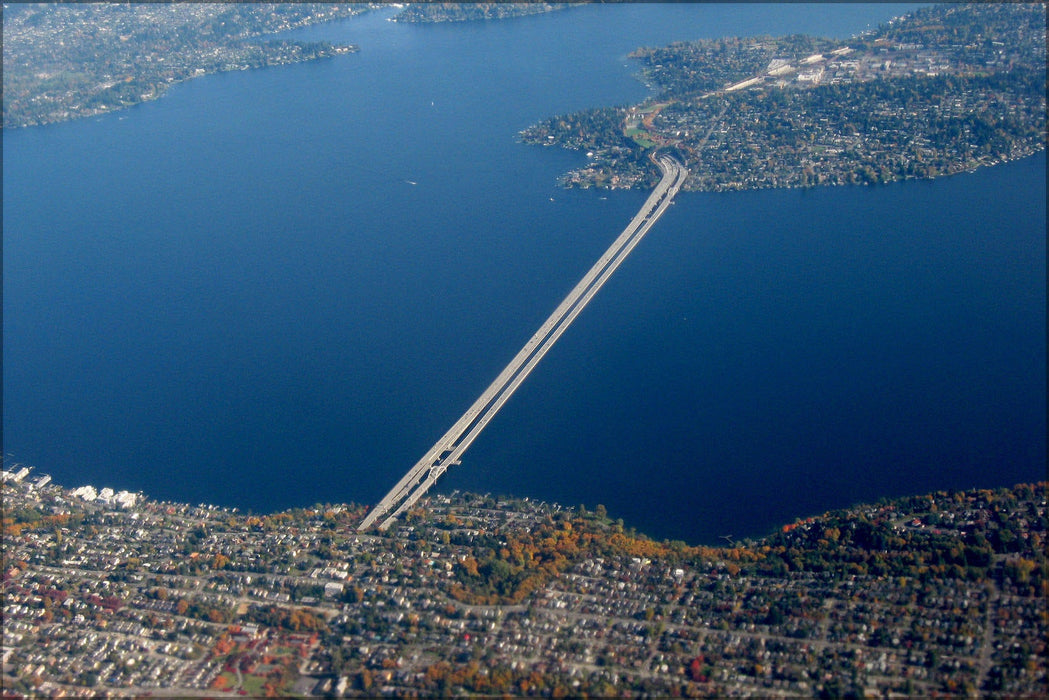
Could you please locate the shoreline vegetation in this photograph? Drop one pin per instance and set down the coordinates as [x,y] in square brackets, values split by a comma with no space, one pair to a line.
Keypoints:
[433,12]
[940,91]
[116,593]
[72,60]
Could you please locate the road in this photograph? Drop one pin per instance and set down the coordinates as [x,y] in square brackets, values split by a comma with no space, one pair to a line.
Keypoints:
[450,448]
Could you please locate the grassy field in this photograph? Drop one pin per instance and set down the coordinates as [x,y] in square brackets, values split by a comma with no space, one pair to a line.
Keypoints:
[641,138]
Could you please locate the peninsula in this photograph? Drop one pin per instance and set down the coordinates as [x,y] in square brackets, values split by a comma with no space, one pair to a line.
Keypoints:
[112,593]
[940,91]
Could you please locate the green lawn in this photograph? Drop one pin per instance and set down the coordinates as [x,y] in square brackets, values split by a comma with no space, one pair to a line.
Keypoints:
[254,685]
[640,137]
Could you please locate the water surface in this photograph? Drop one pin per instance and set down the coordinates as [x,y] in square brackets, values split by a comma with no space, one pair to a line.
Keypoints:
[279,287]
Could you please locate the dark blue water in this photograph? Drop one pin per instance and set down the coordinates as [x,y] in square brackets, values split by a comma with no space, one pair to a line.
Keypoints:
[237,295]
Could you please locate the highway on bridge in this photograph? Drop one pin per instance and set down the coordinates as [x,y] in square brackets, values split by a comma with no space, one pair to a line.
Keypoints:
[450,448]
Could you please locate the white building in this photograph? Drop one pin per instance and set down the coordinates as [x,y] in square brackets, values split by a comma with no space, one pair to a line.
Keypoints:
[87,493]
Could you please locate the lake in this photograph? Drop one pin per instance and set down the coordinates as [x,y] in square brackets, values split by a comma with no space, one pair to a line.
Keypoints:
[279,287]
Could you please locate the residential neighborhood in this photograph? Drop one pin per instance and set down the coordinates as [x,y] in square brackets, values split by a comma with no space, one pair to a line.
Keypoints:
[113,596]
[65,61]
[940,91]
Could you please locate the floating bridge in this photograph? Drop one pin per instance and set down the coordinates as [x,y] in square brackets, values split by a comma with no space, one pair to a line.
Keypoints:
[450,448]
